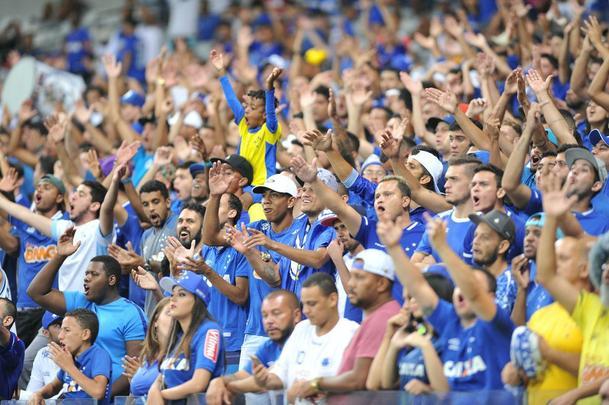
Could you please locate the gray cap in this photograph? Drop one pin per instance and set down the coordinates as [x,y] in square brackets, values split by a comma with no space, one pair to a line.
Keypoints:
[498,221]
[574,154]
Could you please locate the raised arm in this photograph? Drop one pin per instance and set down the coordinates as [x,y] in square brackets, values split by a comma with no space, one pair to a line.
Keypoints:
[421,195]
[519,193]
[40,222]
[482,301]
[347,214]
[578,74]
[269,95]
[555,204]
[217,60]
[553,117]
[597,87]
[416,91]
[106,212]
[40,289]
[213,234]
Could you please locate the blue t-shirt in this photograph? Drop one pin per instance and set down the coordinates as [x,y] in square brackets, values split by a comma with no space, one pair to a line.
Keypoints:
[411,236]
[11,364]
[258,287]
[537,296]
[122,321]
[76,51]
[206,352]
[229,264]
[143,378]
[35,250]
[473,357]
[310,237]
[594,222]
[132,44]
[268,352]
[93,362]
[505,295]
[142,161]
[411,364]
[132,231]
[456,229]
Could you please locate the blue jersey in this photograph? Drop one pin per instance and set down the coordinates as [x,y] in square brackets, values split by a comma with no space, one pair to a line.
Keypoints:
[311,237]
[411,237]
[131,44]
[473,357]
[505,295]
[258,287]
[76,50]
[206,352]
[456,229]
[411,365]
[35,250]
[143,378]
[418,214]
[537,296]
[229,264]
[11,364]
[267,353]
[122,321]
[93,362]
[142,161]
[594,222]
[132,231]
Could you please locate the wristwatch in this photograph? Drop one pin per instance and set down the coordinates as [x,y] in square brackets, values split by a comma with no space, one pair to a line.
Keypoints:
[315,384]
[265,256]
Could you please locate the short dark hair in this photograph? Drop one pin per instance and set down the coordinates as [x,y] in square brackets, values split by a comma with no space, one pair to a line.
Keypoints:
[323,91]
[234,203]
[184,165]
[259,94]
[490,278]
[324,281]
[551,58]
[469,161]
[441,285]
[549,153]
[87,320]
[47,164]
[402,185]
[565,147]
[196,207]
[98,191]
[492,169]
[154,185]
[10,309]
[290,297]
[111,266]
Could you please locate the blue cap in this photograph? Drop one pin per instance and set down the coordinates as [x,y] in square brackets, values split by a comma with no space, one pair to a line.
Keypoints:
[482,155]
[133,98]
[596,136]
[191,282]
[50,318]
[197,168]
[263,20]
[137,127]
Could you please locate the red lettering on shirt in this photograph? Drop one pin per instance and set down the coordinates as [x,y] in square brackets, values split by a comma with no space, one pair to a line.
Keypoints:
[212,345]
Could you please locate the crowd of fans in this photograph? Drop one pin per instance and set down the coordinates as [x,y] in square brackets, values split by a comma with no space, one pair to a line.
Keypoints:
[337,197]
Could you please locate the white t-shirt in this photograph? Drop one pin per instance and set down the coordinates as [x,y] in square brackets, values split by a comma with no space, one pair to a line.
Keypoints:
[183,17]
[342,294]
[306,355]
[92,243]
[44,370]
[5,290]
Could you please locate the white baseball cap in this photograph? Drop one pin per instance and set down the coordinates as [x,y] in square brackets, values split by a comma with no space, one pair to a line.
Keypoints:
[279,183]
[376,262]
[432,164]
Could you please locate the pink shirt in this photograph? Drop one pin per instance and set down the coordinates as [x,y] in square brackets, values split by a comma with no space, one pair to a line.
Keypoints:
[367,339]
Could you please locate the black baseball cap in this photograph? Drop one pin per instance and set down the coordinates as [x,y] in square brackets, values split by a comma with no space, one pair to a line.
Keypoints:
[240,164]
[498,221]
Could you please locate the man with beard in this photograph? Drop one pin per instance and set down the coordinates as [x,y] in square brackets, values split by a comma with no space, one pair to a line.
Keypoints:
[588,310]
[225,269]
[493,237]
[33,249]
[487,195]
[280,314]
[457,195]
[530,295]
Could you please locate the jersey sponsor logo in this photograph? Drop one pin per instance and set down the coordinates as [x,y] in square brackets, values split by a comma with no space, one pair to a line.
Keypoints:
[212,345]
[460,369]
[178,364]
[412,369]
[39,254]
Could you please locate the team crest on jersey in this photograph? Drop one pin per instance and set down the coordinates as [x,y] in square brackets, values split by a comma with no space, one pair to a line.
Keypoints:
[212,345]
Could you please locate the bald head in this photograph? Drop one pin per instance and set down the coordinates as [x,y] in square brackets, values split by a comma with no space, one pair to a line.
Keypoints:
[287,297]
[572,261]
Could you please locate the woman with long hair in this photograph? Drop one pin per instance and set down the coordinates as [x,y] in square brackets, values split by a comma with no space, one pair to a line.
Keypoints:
[143,371]
[195,353]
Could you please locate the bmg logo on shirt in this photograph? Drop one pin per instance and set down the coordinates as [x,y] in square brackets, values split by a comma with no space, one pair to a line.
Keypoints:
[37,254]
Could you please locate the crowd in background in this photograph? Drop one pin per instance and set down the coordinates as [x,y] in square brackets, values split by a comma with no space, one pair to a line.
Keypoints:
[313,198]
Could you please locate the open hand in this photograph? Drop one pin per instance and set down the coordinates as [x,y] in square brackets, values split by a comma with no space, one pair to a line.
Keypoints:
[66,245]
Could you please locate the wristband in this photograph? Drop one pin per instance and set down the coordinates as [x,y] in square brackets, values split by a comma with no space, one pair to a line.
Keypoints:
[126,180]
[298,115]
